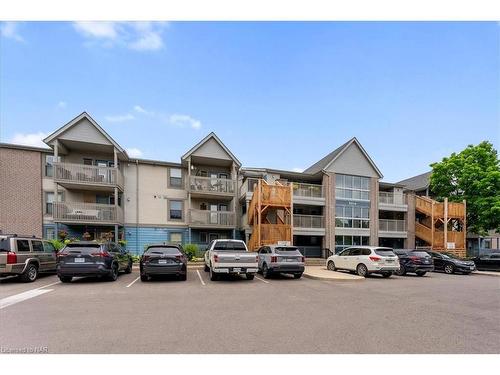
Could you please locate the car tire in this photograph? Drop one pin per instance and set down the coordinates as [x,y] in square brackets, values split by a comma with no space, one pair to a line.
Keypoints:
[183,277]
[386,275]
[297,275]
[30,274]
[265,272]
[144,278]
[420,273]
[449,269]
[362,270]
[401,271]
[213,275]
[331,266]
[250,276]
[113,276]
[206,268]
[129,267]
[65,279]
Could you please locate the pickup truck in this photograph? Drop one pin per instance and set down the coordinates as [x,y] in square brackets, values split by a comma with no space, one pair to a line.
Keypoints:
[230,257]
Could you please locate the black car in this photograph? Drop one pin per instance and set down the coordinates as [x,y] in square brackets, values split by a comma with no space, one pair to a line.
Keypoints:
[414,261]
[163,260]
[450,263]
[90,258]
[488,262]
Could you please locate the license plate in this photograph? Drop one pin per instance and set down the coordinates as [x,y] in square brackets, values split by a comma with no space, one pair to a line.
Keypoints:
[79,260]
[390,261]
[236,269]
[162,261]
[289,259]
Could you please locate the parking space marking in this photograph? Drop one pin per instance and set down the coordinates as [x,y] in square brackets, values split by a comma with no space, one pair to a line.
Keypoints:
[264,281]
[16,298]
[199,276]
[45,286]
[132,283]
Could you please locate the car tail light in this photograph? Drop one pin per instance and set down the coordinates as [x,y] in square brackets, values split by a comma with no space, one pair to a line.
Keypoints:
[257,258]
[216,258]
[60,255]
[274,259]
[101,254]
[302,259]
[375,259]
[415,259]
[11,257]
[179,257]
[145,258]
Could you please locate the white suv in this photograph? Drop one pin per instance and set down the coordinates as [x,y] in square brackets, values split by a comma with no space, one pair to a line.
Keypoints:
[365,260]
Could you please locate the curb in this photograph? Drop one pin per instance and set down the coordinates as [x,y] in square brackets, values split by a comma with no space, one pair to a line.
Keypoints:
[331,278]
[486,273]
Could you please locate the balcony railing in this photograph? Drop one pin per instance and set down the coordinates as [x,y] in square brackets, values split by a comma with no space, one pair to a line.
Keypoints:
[308,221]
[211,185]
[388,225]
[307,190]
[88,174]
[87,212]
[212,218]
[385,197]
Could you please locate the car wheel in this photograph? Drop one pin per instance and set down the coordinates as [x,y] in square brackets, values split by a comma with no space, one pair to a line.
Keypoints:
[213,275]
[297,275]
[206,268]
[144,277]
[65,279]
[420,273]
[449,269]
[401,271]
[129,267]
[361,270]
[331,266]
[183,277]
[265,272]
[113,276]
[250,276]
[30,274]
[387,274]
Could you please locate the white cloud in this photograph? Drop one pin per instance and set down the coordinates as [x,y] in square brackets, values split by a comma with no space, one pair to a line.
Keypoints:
[184,121]
[61,104]
[120,118]
[30,139]
[134,152]
[139,36]
[298,170]
[10,30]
[141,110]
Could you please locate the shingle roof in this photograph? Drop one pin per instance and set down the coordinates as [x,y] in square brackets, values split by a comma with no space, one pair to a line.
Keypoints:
[320,165]
[417,182]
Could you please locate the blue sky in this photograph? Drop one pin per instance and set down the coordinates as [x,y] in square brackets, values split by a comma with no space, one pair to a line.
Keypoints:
[280,95]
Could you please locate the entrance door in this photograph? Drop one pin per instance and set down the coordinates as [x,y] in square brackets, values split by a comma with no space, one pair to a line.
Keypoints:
[223,218]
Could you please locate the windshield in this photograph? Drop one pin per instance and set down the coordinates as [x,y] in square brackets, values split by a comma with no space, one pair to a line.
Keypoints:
[84,248]
[230,246]
[421,254]
[385,253]
[286,249]
[163,250]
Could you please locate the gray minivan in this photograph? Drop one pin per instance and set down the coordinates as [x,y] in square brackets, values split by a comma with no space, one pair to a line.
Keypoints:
[26,257]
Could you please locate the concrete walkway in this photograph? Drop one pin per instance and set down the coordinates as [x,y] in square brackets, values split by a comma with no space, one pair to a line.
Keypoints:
[321,273]
[486,273]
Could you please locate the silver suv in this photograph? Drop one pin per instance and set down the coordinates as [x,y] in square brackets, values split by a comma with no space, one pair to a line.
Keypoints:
[26,256]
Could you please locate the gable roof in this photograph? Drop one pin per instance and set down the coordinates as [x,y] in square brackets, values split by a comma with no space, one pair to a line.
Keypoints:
[416,183]
[325,162]
[212,135]
[76,120]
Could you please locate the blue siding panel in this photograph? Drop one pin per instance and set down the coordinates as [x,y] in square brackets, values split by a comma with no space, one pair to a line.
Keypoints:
[138,238]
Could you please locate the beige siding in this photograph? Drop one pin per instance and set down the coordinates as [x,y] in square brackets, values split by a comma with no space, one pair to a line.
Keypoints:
[353,162]
[212,149]
[84,131]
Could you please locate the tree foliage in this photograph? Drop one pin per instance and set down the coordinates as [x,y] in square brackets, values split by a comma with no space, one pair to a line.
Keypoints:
[473,175]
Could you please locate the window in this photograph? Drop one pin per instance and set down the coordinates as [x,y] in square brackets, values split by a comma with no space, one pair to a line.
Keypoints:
[23,245]
[87,161]
[203,237]
[49,165]
[352,187]
[49,202]
[347,216]
[48,247]
[37,246]
[50,233]
[342,242]
[175,178]
[175,210]
[176,237]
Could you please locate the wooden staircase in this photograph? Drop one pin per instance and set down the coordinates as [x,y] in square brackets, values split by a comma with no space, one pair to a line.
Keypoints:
[442,225]
[270,214]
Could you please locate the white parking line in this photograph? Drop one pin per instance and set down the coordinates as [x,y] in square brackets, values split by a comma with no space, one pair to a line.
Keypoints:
[199,275]
[45,286]
[264,281]
[16,298]
[129,285]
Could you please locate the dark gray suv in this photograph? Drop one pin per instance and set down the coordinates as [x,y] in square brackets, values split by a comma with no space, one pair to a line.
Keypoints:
[90,258]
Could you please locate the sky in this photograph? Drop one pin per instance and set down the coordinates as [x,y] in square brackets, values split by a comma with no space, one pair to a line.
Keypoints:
[279,94]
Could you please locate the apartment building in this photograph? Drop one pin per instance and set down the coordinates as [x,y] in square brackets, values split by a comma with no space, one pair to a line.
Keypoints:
[86,183]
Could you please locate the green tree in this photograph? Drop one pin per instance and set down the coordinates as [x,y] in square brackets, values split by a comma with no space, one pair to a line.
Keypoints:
[473,175]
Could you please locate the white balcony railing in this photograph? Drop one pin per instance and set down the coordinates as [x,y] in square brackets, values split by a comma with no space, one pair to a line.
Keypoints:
[388,225]
[307,190]
[88,174]
[87,212]
[211,185]
[390,198]
[308,221]
[212,218]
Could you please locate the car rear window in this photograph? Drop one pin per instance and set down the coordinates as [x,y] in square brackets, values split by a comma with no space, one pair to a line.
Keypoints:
[384,252]
[286,249]
[4,243]
[230,246]
[421,254]
[85,248]
[172,250]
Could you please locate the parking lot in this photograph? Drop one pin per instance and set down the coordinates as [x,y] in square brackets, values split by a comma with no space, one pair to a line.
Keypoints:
[435,314]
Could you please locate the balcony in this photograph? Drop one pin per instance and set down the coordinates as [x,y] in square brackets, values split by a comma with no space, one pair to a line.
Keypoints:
[212,219]
[311,194]
[389,201]
[308,225]
[87,213]
[90,177]
[211,186]
[392,228]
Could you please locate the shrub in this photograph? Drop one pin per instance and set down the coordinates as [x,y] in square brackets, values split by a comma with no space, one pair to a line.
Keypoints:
[58,245]
[135,258]
[191,250]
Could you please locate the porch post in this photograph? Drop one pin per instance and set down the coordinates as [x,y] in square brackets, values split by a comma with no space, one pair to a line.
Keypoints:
[188,185]
[116,233]
[56,187]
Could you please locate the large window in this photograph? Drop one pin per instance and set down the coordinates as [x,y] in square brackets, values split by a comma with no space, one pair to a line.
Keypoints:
[352,187]
[175,179]
[176,237]
[49,165]
[341,242]
[348,216]
[175,210]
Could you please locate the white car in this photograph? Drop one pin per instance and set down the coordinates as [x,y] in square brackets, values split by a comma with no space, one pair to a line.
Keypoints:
[365,260]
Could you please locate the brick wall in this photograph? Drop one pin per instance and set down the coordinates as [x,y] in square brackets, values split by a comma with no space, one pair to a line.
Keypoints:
[21,191]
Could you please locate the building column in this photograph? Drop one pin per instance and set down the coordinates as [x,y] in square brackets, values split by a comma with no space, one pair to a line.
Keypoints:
[374,211]
[115,164]
[329,192]
[189,235]
[56,187]
[410,221]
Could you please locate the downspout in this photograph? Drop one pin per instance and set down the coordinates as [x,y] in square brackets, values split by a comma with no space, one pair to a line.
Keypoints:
[137,204]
